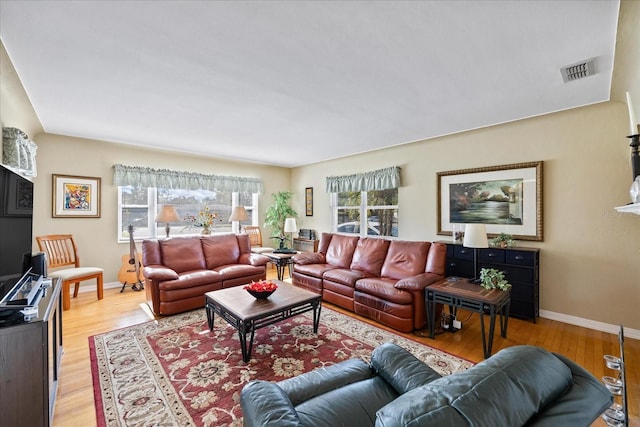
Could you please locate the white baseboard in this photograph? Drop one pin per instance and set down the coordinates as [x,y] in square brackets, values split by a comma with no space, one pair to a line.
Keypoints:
[560,317]
[590,324]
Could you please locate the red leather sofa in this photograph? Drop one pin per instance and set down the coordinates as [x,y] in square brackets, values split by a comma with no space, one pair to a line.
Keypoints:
[380,279]
[178,271]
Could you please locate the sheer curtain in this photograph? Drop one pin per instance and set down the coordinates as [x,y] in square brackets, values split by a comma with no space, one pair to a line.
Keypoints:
[139,176]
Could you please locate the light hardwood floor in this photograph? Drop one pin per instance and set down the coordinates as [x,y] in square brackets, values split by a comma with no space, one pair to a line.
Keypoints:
[88,316]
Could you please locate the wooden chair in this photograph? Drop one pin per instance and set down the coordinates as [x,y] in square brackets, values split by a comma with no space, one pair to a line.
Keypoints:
[61,251]
[255,237]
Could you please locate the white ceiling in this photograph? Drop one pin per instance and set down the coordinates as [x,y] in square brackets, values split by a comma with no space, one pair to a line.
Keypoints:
[290,83]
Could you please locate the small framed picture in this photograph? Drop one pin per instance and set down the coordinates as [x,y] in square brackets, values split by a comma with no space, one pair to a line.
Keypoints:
[308,200]
[76,196]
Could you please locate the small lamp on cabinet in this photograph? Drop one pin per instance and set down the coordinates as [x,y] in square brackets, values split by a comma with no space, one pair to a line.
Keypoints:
[239,214]
[475,236]
[290,226]
[167,215]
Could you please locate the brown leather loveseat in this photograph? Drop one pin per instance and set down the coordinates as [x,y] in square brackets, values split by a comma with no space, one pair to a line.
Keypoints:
[377,278]
[180,270]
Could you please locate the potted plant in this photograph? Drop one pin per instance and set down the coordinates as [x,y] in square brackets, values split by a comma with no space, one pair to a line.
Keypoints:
[503,240]
[491,278]
[277,213]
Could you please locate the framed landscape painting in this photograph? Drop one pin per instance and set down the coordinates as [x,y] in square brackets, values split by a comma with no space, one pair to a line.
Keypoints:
[507,199]
[76,196]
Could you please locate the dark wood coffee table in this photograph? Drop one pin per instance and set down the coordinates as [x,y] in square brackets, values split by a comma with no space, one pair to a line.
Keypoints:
[461,293]
[246,313]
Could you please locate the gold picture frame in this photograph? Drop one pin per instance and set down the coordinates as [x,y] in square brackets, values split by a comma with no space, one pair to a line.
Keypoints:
[75,196]
[507,199]
[308,201]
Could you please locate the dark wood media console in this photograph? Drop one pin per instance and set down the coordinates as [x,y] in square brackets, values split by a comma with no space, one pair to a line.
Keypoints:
[30,355]
[521,267]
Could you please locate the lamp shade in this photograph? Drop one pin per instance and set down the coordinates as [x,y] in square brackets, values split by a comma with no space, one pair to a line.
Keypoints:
[238,214]
[290,225]
[475,236]
[168,214]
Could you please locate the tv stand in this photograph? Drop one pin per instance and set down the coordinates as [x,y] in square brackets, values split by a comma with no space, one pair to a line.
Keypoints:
[30,363]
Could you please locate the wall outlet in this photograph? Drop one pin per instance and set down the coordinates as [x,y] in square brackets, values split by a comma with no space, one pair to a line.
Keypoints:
[457,324]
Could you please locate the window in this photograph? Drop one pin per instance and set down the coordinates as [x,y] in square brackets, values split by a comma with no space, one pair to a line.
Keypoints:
[374,211]
[138,206]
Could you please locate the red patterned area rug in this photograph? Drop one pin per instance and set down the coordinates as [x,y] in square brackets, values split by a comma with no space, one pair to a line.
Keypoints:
[175,372]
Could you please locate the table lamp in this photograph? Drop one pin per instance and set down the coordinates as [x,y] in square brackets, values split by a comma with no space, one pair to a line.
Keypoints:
[290,226]
[475,236]
[167,215]
[239,214]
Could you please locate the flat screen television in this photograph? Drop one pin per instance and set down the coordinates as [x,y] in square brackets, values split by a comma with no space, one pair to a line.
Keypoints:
[16,231]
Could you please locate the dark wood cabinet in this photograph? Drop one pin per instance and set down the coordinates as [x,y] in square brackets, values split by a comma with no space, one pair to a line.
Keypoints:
[30,354]
[521,268]
[305,245]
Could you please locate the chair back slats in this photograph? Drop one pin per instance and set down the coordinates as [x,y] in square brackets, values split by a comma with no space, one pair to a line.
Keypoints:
[255,236]
[60,250]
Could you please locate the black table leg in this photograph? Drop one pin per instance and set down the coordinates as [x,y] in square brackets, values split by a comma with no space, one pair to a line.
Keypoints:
[484,338]
[431,312]
[242,334]
[492,327]
[317,307]
[210,314]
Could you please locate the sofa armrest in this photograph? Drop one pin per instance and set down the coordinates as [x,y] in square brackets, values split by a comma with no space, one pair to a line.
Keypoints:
[263,403]
[159,273]
[419,282]
[401,369]
[580,405]
[253,259]
[309,258]
[322,380]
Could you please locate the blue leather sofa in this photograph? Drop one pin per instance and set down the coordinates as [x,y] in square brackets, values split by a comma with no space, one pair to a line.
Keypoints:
[518,386]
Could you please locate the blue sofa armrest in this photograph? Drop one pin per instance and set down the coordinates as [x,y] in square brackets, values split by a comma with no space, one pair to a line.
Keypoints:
[263,403]
[401,369]
[581,405]
[319,381]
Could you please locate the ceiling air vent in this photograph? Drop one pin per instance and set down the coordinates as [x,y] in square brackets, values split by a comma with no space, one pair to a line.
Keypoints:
[579,70]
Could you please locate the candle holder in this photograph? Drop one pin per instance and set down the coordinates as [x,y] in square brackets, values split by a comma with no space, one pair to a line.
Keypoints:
[635,155]
[616,415]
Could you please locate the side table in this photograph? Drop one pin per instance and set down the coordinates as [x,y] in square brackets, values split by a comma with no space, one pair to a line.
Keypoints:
[461,293]
[280,261]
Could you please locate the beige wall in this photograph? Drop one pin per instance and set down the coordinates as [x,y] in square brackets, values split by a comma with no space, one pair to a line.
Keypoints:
[97,237]
[15,108]
[590,256]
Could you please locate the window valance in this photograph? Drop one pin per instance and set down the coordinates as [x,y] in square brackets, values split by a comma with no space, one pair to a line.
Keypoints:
[164,178]
[18,151]
[381,179]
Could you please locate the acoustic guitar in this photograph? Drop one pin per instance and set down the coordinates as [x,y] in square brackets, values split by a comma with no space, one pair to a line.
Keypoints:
[131,271]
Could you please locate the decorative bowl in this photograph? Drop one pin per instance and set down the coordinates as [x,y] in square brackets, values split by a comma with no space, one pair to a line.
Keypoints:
[260,295]
[262,289]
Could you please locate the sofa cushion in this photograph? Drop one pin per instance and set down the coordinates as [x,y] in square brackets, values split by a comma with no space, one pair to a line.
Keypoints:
[182,254]
[384,288]
[344,276]
[235,271]
[220,250]
[510,387]
[340,250]
[405,259]
[190,279]
[313,270]
[369,255]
